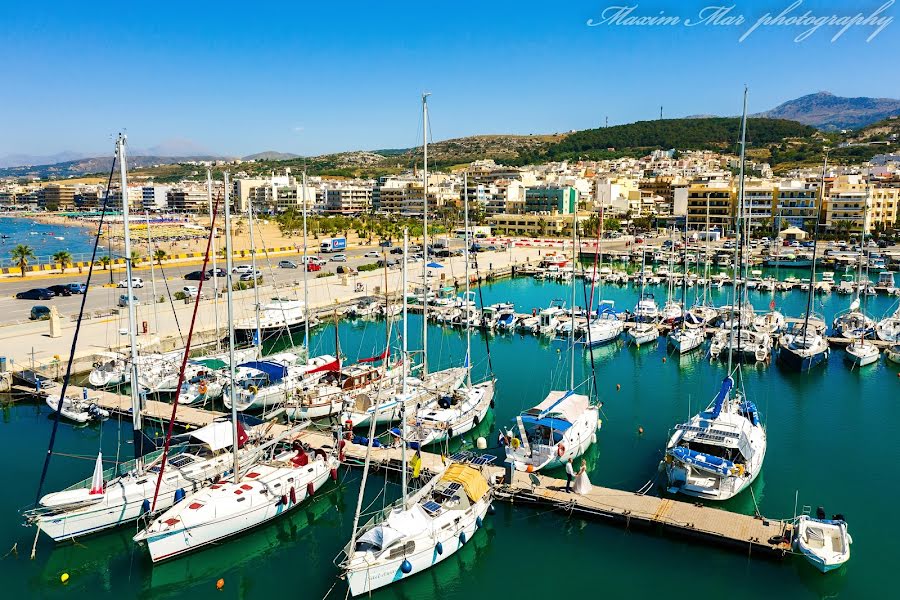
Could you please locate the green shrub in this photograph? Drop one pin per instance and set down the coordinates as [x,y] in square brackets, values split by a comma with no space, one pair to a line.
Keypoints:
[179,295]
[324,274]
[369,267]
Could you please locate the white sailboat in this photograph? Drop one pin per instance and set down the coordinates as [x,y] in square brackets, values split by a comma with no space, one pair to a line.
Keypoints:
[860,352]
[683,338]
[720,451]
[645,330]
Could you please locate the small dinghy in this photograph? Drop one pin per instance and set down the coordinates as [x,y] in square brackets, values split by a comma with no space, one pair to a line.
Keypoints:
[78,410]
[824,542]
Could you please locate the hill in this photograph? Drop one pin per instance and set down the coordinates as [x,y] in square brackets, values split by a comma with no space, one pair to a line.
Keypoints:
[98,164]
[271,155]
[829,112]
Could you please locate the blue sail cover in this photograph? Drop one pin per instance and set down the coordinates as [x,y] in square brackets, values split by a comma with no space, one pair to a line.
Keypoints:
[703,461]
[749,410]
[555,424]
[727,384]
[506,320]
[275,371]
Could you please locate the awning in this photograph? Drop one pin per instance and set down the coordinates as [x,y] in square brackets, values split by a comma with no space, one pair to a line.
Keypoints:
[334,365]
[555,424]
[275,371]
[472,480]
[567,405]
[218,435]
[211,363]
[381,356]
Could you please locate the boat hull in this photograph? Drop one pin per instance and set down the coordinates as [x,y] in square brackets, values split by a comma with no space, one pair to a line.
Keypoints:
[801,362]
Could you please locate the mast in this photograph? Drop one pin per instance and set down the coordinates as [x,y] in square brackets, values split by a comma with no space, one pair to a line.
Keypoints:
[812,276]
[152,272]
[572,323]
[466,255]
[404,371]
[305,276]
[132,311]
[738,241]
[706,257]
[684,275]
[229,278]
[215,276]
[255,279]
[425,234]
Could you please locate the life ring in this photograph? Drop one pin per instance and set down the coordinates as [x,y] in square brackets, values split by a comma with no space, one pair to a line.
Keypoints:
[560,449]
[514,443]
[253,389]
[201,387]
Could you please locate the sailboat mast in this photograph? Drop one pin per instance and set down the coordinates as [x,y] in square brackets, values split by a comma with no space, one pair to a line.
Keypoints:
[737,241]
[812,275]
[404,368]
[706,256]
[572,322]
[466,256]
[215,269]
[132,311]
[255,278]
[229,276]
[305,277]
[425,234]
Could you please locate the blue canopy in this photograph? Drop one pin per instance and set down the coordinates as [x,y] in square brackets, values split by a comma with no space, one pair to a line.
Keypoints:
[275,371]
[556,424]
[434,265]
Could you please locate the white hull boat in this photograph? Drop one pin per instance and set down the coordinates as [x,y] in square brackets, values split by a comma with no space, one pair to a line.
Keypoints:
[643,333]
[685,339]
[861,353]
[77,409]
[454,415]
[825,543]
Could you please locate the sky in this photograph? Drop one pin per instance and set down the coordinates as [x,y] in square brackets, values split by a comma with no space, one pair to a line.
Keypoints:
[310,78]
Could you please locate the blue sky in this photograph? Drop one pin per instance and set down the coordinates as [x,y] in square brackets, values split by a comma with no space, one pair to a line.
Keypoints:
[310,78]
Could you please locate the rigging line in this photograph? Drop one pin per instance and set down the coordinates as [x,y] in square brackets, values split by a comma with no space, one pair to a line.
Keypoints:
[589,303]
[172,301]
[487,342]
[65,385]
[275,288]
[184,359]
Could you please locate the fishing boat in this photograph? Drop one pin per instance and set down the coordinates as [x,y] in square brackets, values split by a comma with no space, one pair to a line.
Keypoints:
[79,410]
[720,451]
[549,318]
[825,543]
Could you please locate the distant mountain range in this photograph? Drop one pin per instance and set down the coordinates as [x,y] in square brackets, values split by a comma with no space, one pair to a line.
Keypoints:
[271,155]
[99,164]
[829,112]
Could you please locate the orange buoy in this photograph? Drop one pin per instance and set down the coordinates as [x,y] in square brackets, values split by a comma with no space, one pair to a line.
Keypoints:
[220,584]
[529,469]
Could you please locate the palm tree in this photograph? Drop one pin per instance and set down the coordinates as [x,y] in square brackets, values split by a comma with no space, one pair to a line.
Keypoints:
[63,259]
[136,257]
[159,255]
[105,260]
[22,254]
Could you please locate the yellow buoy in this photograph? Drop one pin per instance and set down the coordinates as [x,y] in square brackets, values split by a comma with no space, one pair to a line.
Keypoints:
[220,584]
[64,578]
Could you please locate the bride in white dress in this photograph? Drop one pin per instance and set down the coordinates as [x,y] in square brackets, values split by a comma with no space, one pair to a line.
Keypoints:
[582,483]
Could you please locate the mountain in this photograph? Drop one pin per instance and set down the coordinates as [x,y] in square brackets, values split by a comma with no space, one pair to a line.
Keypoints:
[99,164]
[829,112]
[271,155]
[15,160]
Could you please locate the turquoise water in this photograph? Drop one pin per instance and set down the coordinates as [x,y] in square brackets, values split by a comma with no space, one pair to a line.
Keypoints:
[831,439]
[78,241]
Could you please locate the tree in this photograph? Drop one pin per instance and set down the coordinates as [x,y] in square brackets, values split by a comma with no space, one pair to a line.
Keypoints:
[21,254]
[542,226]
[63,259]
[105,261]
[159,255]
[136,257]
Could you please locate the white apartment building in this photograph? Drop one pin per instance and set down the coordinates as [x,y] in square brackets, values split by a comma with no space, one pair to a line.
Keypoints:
[797,204]
[849,202]
[348,199]
[759,197]
[153,197]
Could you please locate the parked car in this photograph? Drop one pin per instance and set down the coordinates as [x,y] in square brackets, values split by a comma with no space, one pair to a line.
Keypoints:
[242,269]
[386,244]
[313,267]
[287,264]
[197,276]
[397,250]
[190,291]
[36,294]
[339,258]
[123,300]
[60,290]
[372,254]
[77,288]
[248,276]
[136,282]
[39,312]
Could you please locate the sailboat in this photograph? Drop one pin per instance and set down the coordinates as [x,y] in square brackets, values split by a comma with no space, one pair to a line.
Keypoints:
[561,427]
[462,410]
[888,329]
[682,338]
[702,314]
[803,347]
[606,326]
[720,451]
[860,352]
[251,495]
[128,488]
[645,330]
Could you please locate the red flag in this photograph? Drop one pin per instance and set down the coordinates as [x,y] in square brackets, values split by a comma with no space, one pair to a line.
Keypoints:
[243,438]
[772,304]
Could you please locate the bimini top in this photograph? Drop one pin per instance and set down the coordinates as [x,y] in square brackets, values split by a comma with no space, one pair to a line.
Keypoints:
[471,479]
[561,405]
[218,435]
[275,371]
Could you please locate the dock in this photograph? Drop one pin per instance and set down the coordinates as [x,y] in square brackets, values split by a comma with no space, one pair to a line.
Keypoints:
[754,534]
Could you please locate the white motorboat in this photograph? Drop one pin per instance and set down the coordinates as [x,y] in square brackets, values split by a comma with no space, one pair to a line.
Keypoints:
[720,451]
[770,323]
[860,353]
[79,410]
[561,427]
[269,489]
[280,317]
[893,353]
[109,370]
[365,308]
[825,543]
[417,533]
[646,310]
[549,318]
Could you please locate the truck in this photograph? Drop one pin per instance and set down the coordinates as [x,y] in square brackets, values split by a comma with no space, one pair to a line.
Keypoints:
[337,244]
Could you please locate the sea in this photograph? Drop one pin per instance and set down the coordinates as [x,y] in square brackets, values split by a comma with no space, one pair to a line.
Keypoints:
[832,442]
[45,239]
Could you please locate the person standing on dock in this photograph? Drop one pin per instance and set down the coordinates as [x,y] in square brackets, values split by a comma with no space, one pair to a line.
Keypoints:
[570,475]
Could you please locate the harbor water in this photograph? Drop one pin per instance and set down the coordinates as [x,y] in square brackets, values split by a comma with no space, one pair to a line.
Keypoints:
[831,440]
[46,239]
